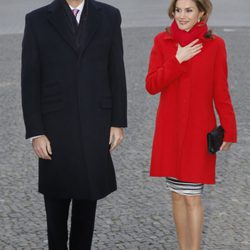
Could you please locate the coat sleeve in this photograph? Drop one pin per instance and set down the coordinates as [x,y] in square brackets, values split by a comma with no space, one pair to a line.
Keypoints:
[117,77]
[161,73]
[30,83]
[222,97]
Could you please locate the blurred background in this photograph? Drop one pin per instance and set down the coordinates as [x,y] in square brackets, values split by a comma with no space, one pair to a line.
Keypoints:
[136,13]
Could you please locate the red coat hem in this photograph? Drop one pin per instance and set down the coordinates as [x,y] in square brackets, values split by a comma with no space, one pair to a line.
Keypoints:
[208,182]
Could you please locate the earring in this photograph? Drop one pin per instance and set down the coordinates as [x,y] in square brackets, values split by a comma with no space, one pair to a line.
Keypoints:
[199,19]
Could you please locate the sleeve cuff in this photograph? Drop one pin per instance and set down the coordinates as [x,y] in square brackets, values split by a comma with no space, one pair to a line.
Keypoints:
[230,138]
[34,137]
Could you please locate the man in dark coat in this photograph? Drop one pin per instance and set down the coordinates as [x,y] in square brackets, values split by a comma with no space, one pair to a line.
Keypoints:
[74,105]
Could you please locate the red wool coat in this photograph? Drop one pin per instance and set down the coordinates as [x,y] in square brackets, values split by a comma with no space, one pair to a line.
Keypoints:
[186,113]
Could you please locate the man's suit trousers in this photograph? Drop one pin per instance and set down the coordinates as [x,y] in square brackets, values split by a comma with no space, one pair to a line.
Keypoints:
[82,223]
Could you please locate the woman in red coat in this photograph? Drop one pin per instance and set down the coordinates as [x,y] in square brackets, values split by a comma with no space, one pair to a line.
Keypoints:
[188,67]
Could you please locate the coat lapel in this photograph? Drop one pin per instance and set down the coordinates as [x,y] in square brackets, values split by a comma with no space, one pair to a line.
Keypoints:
[61,22]
[91,25]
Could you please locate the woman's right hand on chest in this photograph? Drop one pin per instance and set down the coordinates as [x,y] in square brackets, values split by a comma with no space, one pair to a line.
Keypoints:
[186,53]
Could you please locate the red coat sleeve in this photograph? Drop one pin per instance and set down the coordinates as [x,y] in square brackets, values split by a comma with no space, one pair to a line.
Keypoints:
[161,73]
[222,97]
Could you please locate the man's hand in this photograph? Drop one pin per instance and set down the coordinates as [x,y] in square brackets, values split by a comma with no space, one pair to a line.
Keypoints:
[225,146]
[186,53]
[116,137]
[42,148]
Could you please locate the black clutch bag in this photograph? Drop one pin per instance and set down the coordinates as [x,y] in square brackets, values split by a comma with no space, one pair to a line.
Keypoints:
[215,139]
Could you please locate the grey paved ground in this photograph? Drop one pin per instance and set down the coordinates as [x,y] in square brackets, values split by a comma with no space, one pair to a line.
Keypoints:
[138,215]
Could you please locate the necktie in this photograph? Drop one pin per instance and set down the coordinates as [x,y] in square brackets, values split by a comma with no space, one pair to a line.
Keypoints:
[75,12]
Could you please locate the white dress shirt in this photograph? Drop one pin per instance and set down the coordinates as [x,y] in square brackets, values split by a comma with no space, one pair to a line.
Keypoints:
[80,8]
[78,17]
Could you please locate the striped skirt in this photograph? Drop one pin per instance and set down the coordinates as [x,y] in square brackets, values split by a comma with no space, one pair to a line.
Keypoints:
[184,188]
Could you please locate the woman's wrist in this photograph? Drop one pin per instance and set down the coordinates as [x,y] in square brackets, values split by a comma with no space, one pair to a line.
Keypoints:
[178,59]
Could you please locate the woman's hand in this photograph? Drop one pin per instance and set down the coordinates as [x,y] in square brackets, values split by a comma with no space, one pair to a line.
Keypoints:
[186,53]
[225,146]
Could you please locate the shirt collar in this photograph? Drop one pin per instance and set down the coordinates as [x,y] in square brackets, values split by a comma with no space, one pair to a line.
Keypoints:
[79,7]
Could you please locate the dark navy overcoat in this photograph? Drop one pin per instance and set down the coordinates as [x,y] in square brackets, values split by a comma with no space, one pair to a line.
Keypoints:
[74,92]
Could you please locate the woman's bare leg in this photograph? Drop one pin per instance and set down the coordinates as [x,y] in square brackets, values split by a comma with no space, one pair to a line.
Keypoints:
[195,218]
[181,220]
